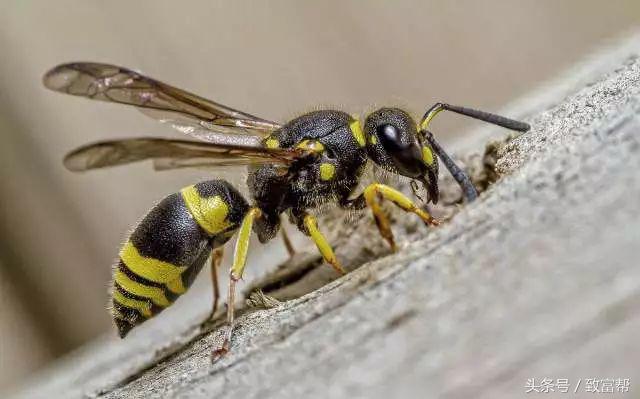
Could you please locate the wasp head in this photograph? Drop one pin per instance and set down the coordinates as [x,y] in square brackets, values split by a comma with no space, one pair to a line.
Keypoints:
[394,144]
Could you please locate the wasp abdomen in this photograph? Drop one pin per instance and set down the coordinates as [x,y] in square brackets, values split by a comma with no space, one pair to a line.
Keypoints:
[168,248]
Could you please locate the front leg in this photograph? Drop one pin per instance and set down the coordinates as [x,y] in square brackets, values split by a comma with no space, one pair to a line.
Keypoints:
[373,195]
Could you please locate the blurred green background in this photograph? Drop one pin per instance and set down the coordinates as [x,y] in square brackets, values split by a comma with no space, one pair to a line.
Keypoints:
[60,232]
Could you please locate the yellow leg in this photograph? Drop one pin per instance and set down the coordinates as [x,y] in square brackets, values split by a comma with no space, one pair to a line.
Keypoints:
[311,224]
[375,192]
[237,269]
[216,260]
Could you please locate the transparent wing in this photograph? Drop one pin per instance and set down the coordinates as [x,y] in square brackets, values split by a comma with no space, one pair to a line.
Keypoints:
[171,154]
[204,130]
[162,164]
[185,111]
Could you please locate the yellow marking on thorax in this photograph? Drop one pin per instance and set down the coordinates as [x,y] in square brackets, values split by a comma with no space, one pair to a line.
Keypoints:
[155,294]
[210,212]
[149,268]
[356,131]
[272,142]
[373,139]
[143,307]
[427,155]
[311,145]
[327,171]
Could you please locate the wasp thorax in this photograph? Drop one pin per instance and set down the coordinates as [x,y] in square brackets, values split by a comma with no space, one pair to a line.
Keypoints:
[392,142]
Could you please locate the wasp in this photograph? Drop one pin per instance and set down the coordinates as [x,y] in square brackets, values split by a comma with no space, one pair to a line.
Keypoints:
[293,168]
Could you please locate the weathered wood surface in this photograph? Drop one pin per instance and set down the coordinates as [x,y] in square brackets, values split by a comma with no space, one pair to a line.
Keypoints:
[538,278]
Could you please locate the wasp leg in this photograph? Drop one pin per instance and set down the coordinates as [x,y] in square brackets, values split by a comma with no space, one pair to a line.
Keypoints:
[216,260]
[287,242]
[373,195]
[235,274]
[308,224]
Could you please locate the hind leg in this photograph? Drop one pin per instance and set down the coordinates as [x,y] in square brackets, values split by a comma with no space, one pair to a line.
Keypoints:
[216,260]
[237,269]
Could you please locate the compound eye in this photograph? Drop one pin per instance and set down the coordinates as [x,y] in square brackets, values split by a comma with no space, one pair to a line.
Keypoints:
[403,152]
[389,137]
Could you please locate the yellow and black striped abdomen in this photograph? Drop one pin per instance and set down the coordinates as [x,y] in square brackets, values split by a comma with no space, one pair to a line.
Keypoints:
[168,248]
